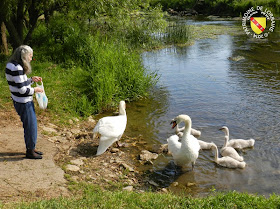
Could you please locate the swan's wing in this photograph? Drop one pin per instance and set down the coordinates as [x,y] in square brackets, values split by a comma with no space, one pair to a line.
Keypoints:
[111,126]
[204,145]
[194,143]
[195,132]
[231,152]
[173,144]
[230,162]
[104,143]
[242,143]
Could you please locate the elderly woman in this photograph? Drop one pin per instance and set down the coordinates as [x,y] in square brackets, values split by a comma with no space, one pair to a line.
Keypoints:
[17,69]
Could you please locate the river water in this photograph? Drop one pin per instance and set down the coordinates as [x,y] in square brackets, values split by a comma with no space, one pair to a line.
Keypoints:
[201,81]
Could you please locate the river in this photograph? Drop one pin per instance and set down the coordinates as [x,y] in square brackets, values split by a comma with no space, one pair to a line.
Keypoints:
[203,82]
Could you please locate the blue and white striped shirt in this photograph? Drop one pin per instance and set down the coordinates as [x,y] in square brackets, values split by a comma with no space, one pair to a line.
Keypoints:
[19,84]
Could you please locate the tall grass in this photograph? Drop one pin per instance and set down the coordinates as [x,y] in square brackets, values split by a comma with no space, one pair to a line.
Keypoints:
[177,33]
[98,71]
[86,70]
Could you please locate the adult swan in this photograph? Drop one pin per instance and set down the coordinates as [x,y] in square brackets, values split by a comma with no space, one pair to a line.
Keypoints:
[186,151]
[111,129]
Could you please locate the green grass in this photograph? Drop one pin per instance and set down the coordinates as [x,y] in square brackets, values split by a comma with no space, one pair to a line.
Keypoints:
[219,7]
[93,197]
[177,33]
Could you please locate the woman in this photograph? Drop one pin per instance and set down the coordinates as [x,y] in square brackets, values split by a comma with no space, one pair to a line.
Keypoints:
[17,69]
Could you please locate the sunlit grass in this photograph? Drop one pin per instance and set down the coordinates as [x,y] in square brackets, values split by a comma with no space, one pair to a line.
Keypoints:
[91,196]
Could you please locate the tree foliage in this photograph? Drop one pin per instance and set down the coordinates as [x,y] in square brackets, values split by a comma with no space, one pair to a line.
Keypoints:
[21,17]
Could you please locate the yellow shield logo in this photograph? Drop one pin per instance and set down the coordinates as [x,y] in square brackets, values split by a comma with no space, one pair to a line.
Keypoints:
[258,24]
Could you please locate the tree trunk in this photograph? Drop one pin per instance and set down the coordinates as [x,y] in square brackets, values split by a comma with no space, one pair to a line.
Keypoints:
[4,43]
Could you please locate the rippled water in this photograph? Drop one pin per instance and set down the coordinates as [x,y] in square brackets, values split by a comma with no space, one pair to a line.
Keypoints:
[201,81]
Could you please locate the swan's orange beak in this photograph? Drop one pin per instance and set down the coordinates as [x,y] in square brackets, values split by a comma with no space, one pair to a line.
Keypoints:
[173,124]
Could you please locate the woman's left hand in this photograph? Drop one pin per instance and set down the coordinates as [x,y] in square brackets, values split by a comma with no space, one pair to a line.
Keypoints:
[36,78]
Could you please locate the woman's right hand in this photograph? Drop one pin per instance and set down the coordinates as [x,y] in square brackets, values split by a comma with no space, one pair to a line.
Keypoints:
[38,90]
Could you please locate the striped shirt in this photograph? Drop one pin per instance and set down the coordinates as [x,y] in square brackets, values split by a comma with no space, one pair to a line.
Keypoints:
[19,84]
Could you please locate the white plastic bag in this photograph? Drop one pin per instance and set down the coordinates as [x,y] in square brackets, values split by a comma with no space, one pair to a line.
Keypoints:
[41,97]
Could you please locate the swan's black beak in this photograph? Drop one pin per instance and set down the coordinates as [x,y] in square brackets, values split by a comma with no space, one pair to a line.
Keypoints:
[173,123]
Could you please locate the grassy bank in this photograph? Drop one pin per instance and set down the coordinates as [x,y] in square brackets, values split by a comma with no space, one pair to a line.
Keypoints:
[94,197]
[218,7]
[87,70]
[87,74]
[84,75]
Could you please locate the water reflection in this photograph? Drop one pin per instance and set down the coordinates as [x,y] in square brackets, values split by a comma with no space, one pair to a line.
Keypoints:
[201,81]
[144,116]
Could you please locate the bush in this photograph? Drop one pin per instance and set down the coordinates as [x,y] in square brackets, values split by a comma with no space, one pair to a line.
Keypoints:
[98,71]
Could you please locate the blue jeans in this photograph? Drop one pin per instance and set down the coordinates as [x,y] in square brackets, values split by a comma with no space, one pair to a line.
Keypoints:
[27,115]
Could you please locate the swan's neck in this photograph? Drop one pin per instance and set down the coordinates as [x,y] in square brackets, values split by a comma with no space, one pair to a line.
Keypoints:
[226,141]
[177,130]
[186,132]
[216,153]
[227,132]
[122,111]
[188,125]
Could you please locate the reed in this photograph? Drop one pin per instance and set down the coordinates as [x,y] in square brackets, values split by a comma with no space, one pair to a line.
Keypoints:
[177,33]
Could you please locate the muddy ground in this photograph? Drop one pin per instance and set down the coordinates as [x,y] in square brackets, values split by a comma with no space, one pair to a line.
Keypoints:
[69,155]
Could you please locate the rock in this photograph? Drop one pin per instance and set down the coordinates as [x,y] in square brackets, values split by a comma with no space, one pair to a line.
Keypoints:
[128,188]
[175,183]
[112,176]
[91,120]
[76,119]
[77,162]
[147,156]
[127,167]
[54,139]
[114,150]
[75,178]
[160,148]
[68,135]
[72,168]
[52,125]
[164,190]
[75,131]
[49,129]
[72,152]
[237,58]
[189,184]
[153,183]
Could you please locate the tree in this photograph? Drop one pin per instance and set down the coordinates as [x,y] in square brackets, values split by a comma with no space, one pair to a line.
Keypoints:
[3,41]
[21,17]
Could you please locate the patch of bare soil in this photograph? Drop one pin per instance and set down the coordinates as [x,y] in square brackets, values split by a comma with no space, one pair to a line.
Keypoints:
[69,155]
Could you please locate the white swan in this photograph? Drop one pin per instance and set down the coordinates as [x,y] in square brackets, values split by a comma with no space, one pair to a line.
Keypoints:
[111,129]
[237,143]
[194,132]
[187,150]
[230,151]
[227,161]
[205,145]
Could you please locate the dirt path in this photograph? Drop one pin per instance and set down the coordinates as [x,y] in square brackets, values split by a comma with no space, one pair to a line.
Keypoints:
[21,177]
[71,148]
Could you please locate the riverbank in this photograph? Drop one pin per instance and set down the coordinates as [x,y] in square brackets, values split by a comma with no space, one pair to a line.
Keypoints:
[107,181]
[69,159]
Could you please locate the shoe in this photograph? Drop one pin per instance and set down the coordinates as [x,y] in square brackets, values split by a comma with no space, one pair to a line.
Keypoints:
[31,154]
[38,152]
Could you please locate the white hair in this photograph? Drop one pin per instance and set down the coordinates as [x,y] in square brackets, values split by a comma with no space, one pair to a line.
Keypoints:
[20,56]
